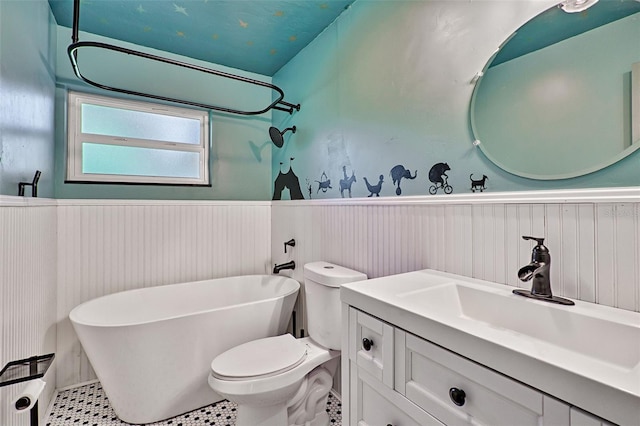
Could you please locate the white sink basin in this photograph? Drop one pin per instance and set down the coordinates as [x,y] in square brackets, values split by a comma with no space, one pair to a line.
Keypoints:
[590,335]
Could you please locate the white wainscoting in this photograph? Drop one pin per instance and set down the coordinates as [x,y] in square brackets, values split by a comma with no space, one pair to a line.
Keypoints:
[27,293]
[110,246]
[107,246]
[594,241]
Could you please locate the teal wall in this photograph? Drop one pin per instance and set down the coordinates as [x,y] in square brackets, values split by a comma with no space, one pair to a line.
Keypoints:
[240,151]
[27,85]
[389,83]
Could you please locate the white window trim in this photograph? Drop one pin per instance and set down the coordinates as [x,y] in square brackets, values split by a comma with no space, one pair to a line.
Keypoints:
[76,138]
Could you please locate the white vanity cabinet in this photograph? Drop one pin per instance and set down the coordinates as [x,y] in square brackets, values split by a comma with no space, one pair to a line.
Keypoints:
[392,377]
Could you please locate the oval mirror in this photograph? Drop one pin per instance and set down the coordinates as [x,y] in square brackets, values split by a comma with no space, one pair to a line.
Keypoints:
[556,100]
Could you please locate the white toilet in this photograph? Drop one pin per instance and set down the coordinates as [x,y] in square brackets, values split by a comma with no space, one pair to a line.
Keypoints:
[283,381]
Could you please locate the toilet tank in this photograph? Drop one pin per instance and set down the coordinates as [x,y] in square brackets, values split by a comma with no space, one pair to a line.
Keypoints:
[322,281]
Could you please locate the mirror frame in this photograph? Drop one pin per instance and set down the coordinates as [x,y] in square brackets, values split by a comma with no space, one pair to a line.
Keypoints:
[635,121]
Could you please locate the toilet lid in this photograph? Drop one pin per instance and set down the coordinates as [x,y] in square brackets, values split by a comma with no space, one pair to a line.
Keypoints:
[263,357]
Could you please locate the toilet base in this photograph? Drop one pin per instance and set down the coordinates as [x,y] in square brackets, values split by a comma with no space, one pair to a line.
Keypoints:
[250,415]
[322,419]
[305,408]
[308,406]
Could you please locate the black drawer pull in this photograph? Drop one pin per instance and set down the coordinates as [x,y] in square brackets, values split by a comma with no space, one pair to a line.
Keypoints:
[457,396]
[367,344]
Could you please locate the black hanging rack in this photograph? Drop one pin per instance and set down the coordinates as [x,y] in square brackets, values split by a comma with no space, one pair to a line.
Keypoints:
[24,370]
[72,51]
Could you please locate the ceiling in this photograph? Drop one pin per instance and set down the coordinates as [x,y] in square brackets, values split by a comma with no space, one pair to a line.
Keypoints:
[259,36]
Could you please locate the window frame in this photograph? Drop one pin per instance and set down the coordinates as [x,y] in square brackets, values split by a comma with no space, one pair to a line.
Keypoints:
[75,139]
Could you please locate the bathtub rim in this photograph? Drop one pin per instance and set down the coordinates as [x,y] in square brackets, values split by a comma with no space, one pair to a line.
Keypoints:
[74,320]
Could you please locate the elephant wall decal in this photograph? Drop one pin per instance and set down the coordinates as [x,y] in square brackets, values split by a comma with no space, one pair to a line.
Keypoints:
[397,173]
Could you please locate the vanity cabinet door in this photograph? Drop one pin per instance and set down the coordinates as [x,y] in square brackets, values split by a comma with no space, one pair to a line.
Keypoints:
[376,405]
[371,345]
[457,391]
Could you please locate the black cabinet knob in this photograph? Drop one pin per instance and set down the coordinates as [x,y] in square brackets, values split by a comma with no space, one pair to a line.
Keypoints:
[366,344]
[457,396]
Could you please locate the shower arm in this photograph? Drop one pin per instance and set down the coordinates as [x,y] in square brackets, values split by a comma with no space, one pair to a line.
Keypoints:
[72,51]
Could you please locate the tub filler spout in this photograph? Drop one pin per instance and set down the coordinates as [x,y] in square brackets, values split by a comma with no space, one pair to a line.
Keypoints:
[288,265]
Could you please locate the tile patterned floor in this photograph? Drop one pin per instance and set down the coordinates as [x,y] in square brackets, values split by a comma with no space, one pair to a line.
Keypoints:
[88,406]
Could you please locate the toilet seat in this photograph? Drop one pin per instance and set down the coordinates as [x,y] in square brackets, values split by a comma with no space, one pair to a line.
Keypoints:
[260,358]
[256,393]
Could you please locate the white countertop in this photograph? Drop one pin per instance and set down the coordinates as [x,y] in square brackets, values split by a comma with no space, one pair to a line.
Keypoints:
[597,371]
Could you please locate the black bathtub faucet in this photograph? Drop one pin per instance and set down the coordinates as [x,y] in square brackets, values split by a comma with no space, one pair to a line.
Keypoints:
[280,267]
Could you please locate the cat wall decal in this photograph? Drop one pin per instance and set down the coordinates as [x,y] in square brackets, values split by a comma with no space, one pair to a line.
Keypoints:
[478,184]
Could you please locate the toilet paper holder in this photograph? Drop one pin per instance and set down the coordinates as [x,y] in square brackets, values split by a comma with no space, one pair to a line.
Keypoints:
[24,370]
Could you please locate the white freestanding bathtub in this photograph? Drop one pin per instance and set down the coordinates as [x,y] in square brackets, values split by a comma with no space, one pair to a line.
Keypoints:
[151,348]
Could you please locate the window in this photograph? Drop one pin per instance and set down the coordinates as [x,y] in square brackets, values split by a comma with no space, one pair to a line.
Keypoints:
[115,140]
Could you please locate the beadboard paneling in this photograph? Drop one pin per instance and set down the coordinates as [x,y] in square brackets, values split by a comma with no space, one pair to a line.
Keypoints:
[109,247]
[594,246]
[27,295]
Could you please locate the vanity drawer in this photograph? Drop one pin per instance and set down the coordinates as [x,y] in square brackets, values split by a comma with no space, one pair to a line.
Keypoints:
[457,391]
[371,345]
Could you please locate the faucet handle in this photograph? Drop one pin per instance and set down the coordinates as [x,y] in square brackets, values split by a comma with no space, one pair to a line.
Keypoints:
[539,240]
[291,242]
[540,253]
